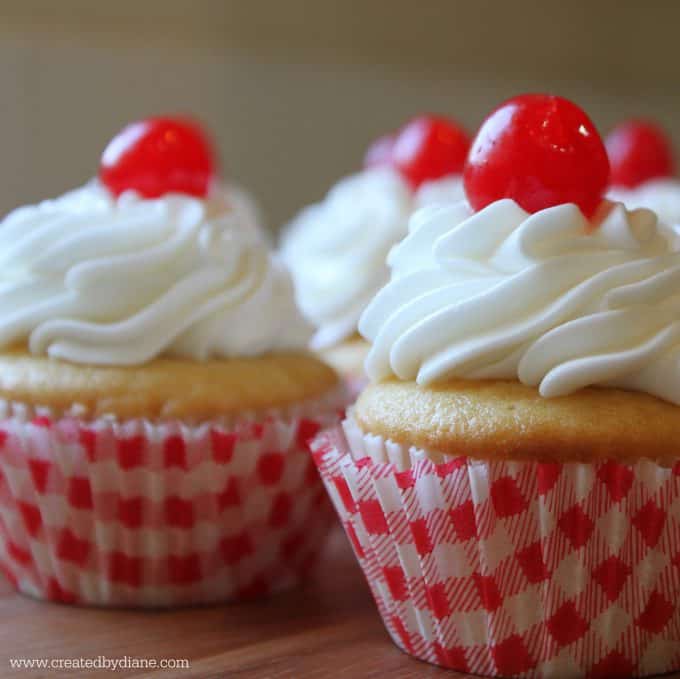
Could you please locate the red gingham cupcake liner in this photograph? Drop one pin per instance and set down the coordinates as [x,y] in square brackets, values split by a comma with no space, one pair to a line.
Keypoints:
[157,514]
[513,569]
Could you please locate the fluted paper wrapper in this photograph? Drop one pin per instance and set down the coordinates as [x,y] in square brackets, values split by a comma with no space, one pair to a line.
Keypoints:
[144,514]
[513,569]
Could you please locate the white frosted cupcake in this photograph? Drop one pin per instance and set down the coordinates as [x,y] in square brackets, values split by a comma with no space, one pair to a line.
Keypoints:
[509,479]
[156,392]
[336,249]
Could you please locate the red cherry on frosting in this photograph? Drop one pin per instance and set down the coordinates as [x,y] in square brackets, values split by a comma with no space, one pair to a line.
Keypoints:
[429,147]
[158,156]
[639,150]
[540,150]
[380,151]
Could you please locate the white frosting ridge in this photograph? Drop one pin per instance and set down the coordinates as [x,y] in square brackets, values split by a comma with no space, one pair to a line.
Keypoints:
[448,189]
[232,197]
[660,195]
[96,280]
[547,298]
[336,249]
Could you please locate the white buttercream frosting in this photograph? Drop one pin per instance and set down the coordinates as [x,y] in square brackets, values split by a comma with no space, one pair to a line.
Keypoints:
[230,196]
[448,189]
[546,298]
[337,248]
[660,195]
[97,280]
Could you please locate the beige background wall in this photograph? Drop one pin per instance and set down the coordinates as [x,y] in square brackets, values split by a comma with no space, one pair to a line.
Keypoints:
[294,89]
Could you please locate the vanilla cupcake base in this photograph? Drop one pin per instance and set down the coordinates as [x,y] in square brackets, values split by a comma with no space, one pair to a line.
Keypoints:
[165,388]
[503,568]
[499,419]
[142,513]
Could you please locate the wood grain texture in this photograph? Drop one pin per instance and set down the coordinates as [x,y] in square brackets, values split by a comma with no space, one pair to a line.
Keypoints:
[329,629]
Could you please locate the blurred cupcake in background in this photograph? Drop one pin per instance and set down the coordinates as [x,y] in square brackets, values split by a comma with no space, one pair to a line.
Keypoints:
[643,169]
[336,249]
[509,479]
[156,393]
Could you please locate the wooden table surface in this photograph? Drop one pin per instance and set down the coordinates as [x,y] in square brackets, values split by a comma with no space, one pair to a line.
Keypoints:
[328,629]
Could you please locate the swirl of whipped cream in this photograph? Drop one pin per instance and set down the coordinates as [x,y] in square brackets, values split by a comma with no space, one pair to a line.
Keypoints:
[548,298]
[660,195]
[232,197]
[448,189]
[103,281]
[336,249]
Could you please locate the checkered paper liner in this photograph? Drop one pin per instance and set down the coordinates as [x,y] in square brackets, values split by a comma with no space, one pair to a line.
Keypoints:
[144,514]
[513,569]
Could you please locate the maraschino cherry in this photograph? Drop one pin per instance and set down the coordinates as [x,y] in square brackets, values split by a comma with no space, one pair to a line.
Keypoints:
[639,150]
[540,150]
[426,148]
[158,156]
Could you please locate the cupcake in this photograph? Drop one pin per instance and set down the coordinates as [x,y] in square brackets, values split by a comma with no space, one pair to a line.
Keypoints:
[336,249]
[156,395]
[643,169]
[509,480]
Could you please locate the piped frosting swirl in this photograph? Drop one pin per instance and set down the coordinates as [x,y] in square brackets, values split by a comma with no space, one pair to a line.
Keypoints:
[97,280]
[546,298]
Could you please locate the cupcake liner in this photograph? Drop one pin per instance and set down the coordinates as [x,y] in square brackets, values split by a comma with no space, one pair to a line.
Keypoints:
[156,514]
[513,569]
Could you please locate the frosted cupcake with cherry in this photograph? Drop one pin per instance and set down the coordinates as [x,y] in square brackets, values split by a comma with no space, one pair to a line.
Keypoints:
[336,249]
[156,395]
[509,479]
[643,169]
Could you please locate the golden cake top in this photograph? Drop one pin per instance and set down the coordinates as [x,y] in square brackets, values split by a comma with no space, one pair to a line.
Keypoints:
[165,388]
[491,419]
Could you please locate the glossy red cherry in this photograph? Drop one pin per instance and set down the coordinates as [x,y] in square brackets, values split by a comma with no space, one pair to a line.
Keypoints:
[380,151]
[158,156]
[639,150]
[540,150]
[429,147]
